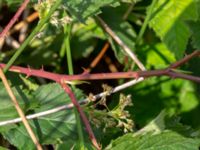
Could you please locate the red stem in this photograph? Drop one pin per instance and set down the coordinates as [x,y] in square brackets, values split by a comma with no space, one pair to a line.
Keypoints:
[183,76]
[185,59]
[82,114]
[100,76]
[14,19]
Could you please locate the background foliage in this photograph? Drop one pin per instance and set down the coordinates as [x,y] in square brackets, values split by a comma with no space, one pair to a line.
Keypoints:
[159,32]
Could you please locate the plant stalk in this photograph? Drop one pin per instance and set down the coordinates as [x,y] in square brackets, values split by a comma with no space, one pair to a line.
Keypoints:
[32,35]
[144,26]
[67,30]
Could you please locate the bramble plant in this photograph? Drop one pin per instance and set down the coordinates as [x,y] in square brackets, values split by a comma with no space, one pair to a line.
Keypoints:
[100,74]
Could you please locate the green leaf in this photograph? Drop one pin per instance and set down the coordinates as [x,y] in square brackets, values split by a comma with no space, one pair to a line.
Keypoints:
[167,140]
[113,17]
[29,83]
[166,122]
[3,148]
[7,109]
[174,124]
[157,55]
[84,38]
[155,94]
[157,125]
[73,145]
[187,92]
[83,9]
[13,4]
[168,23]
[195,30]
[49,129]
[43,51]
[52,95]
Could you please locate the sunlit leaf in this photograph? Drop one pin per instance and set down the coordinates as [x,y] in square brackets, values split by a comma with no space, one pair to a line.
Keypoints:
[168,22]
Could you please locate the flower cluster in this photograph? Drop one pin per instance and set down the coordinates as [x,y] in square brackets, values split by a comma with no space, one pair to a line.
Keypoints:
[116,117]
[59,17]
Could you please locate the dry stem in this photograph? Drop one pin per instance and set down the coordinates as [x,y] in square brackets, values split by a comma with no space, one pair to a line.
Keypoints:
[121,43]
[19,110]
[19,25]
[98,57]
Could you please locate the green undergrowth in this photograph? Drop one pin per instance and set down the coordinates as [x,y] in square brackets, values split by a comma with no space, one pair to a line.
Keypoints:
[159,113]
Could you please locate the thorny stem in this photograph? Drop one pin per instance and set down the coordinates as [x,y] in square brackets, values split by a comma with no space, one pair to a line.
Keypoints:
[101,76]
[19,110]
[14,19]
[63,78]
[29,72]
[82,114]
[69,106]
